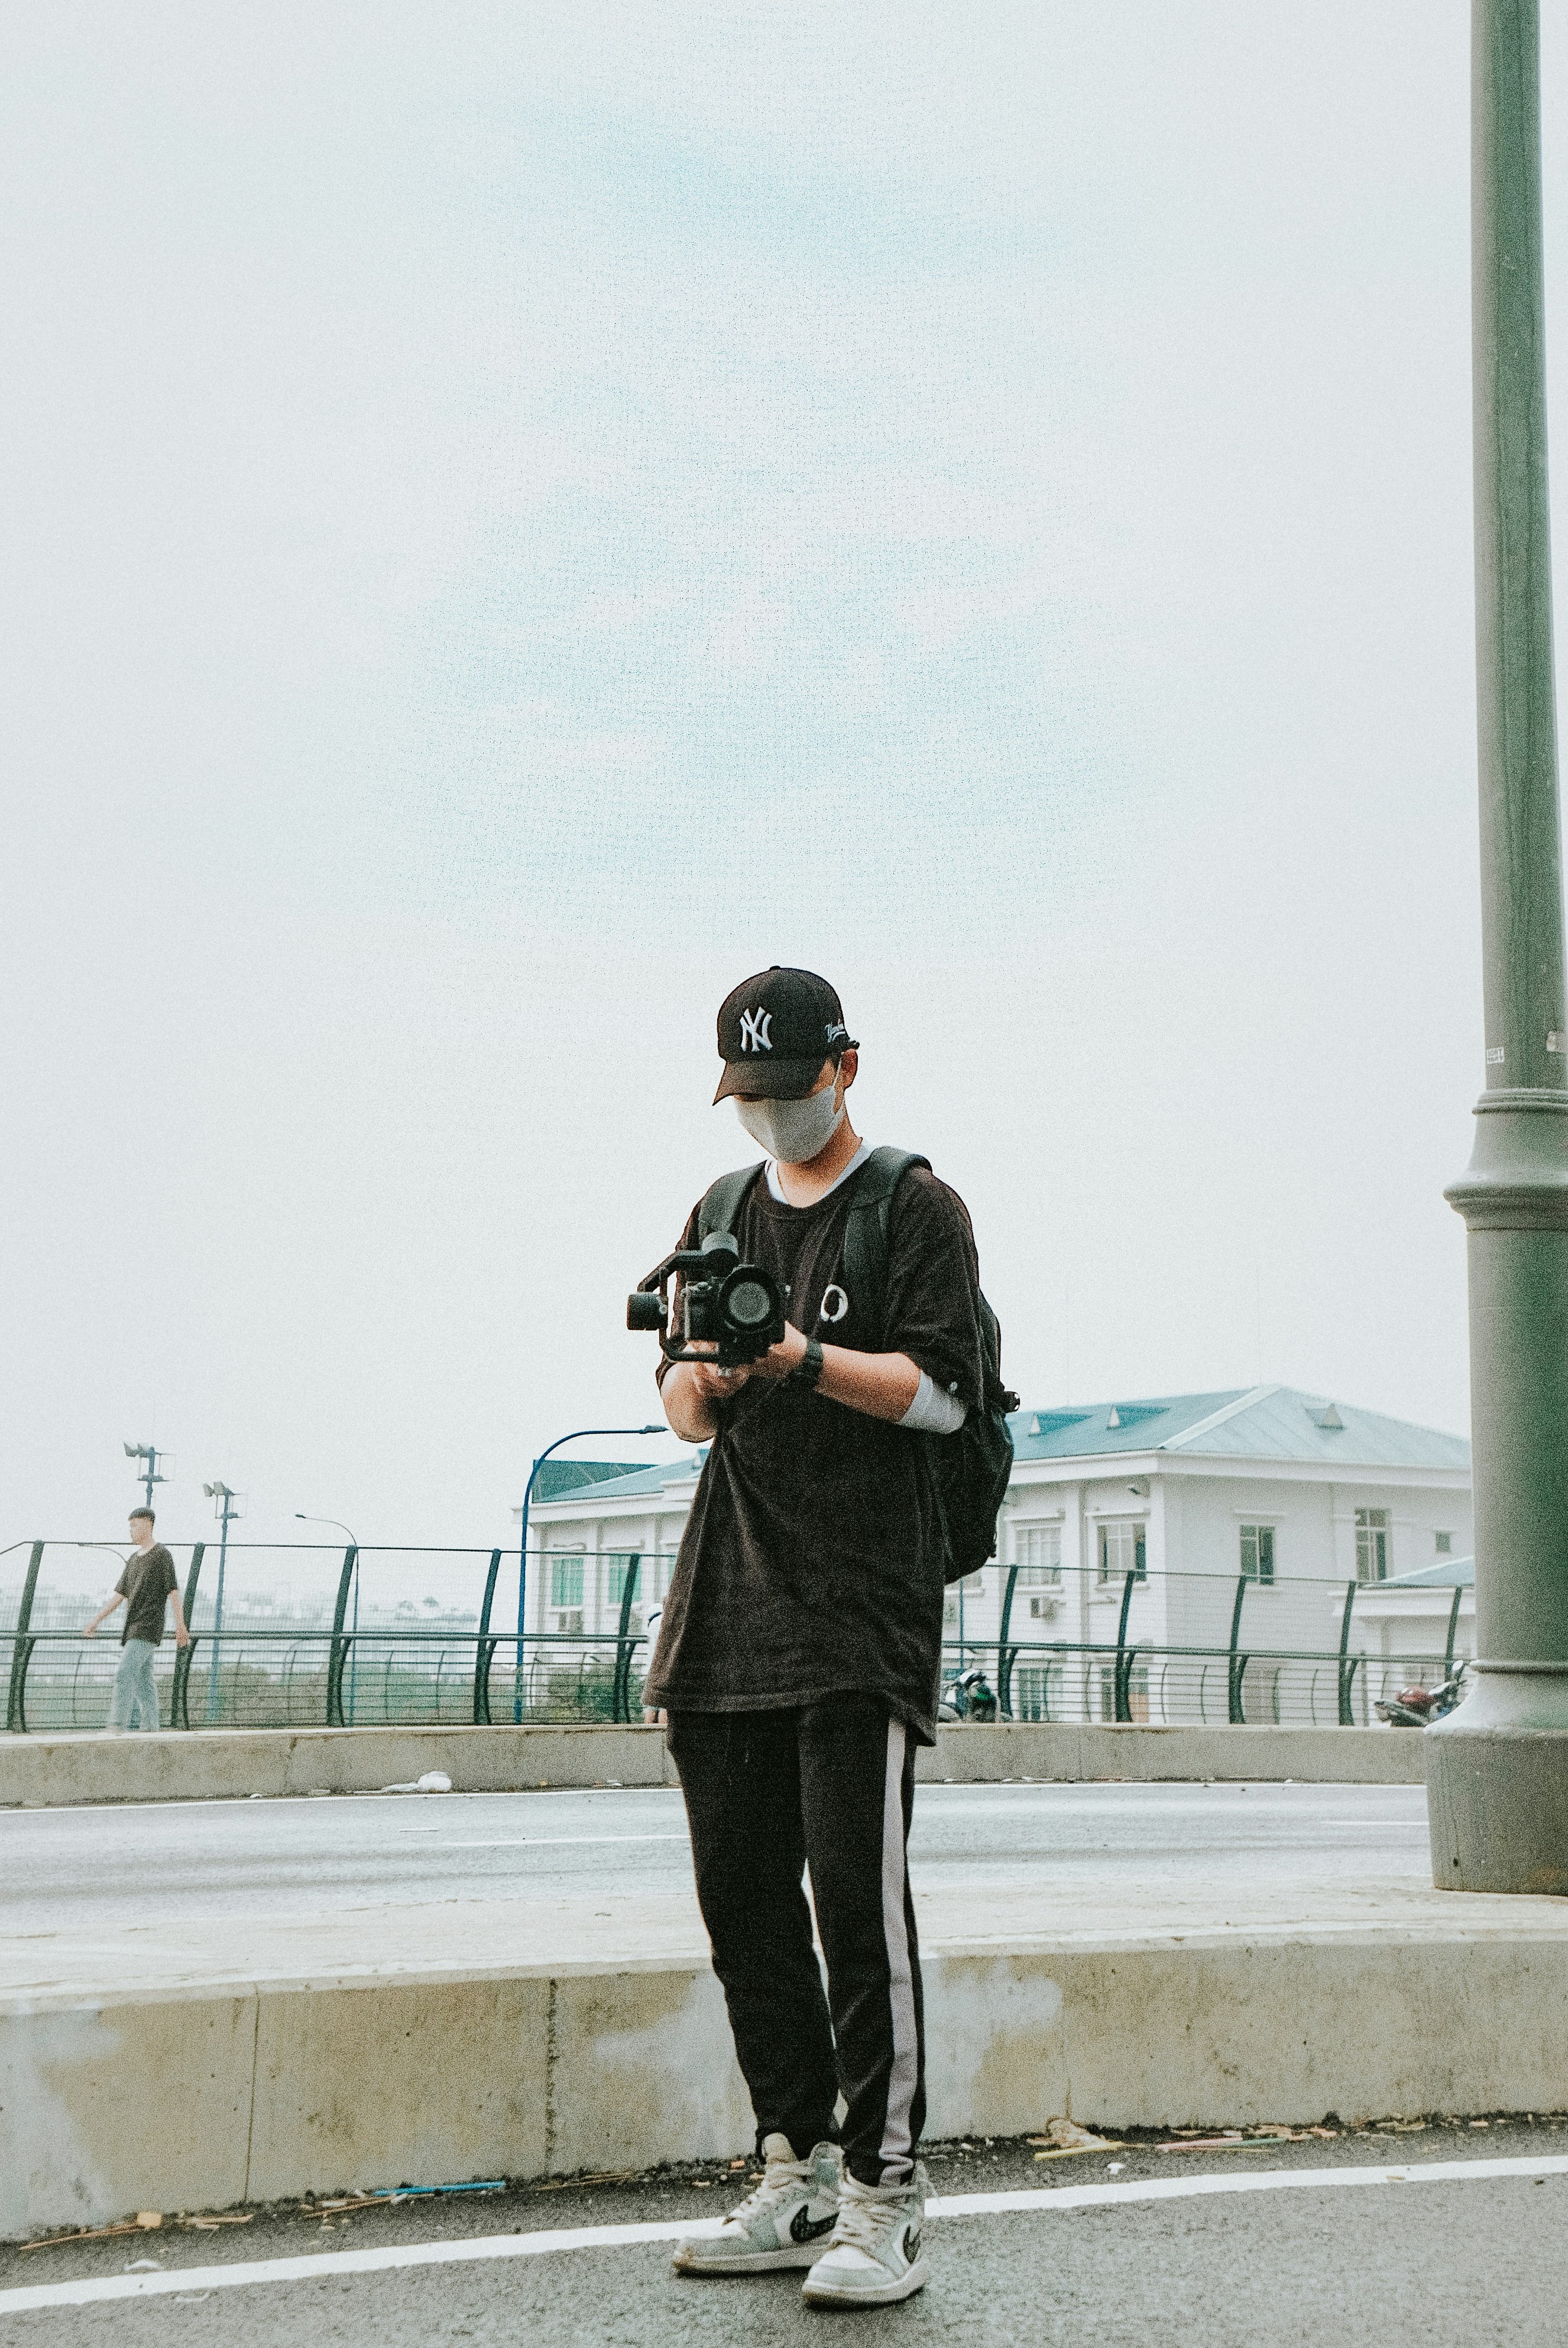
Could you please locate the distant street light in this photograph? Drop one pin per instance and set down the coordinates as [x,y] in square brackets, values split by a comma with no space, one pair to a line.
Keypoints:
[301,1518]
[230,1505]
[577,1434]
[158,1467]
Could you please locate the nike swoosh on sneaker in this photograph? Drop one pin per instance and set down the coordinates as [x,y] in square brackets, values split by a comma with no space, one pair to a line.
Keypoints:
[804,2228]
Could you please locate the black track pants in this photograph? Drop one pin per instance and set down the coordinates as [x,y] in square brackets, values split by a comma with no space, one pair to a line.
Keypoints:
[827,1785]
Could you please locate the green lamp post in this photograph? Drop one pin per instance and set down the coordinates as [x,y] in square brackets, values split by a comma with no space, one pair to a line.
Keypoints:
[1497,1769]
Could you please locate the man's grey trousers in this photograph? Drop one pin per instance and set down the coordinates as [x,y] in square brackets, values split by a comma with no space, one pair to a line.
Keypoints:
[134,1703]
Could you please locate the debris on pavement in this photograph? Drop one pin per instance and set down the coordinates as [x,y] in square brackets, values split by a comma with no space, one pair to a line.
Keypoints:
[1063,2139]
[571,2184]
[471,2184]
[1241,2139]
[88,2234]
[434,1781]
[144,2220]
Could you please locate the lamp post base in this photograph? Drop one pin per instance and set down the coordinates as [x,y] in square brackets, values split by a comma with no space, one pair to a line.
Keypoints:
[1497,1783]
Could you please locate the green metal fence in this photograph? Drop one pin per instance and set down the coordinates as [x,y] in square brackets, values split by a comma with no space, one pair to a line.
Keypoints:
[335,1662]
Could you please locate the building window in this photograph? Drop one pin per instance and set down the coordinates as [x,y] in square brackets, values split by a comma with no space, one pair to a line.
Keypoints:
[1371,1544]
[1122,1549]
[1037,1692]
[1137,1692]
[1445,1544]
[1039,1555]
[566,1580]
[1257,1552]
[615,1579]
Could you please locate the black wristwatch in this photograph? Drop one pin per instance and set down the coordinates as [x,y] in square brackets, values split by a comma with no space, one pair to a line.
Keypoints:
[808,1369]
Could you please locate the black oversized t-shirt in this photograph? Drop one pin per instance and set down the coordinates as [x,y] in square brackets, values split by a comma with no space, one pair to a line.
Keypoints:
[145,1585]
[812,1561]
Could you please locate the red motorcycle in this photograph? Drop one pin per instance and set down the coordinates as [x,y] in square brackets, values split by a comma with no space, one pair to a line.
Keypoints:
[1417,1707]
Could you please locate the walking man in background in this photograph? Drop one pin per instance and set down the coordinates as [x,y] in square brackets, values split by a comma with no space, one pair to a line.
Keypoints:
[798,1649]
[144,1589]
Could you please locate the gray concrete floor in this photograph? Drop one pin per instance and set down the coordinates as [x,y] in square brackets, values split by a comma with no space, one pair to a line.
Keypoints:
[68,1871]
[1355,2267]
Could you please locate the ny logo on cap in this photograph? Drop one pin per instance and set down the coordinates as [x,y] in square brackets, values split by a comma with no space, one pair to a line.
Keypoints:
[754,1026]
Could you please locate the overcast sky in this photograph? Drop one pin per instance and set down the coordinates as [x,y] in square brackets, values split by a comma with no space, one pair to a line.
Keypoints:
[518,516]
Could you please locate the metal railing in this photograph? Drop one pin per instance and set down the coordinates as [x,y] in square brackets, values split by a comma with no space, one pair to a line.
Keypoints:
[325,1671]
[1132,1680]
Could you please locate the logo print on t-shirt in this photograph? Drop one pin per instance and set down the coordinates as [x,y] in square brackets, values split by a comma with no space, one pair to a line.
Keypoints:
[753,1027]
[834,1304]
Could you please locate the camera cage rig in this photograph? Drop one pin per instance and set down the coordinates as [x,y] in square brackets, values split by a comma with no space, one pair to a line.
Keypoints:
[737,1305]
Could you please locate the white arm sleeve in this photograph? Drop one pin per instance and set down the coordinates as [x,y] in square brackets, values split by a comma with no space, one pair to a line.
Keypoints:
[933,1411]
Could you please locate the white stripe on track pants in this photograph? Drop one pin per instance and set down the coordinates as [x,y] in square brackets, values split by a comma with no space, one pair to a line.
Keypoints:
[827,1785]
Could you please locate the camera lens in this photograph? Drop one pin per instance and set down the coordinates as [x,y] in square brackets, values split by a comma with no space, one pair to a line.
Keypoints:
[748,1304]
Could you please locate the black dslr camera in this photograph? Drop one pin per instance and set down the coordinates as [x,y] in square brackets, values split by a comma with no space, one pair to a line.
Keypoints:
[717,1299]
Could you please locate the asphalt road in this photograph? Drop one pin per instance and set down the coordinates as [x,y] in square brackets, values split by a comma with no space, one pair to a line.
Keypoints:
[78,1870]
[1485,2258]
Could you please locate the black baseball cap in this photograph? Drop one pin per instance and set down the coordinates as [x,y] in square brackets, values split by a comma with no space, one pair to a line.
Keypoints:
[776,1030]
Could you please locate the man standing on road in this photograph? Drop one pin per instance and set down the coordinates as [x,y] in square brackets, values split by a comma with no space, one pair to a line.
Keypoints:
[798,1656]
[144,1589]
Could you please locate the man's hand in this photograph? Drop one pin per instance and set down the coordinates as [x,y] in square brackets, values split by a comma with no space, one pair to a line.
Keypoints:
[182,1636]
[778,1363]
[90,1631]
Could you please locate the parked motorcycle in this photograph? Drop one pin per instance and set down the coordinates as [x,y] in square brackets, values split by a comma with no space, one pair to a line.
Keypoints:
[968,1695]
[1417,1707]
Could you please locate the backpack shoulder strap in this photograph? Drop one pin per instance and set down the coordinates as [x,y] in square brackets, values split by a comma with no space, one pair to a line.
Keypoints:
[722,1200]
[866,1238]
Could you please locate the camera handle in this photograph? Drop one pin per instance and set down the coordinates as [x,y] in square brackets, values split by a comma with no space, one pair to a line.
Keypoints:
[648,1306]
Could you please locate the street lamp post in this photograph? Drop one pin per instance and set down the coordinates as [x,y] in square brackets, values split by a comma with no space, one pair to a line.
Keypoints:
[1497,1769]
[301,1518]
[230,1505]
[658,1427]
[156,1467]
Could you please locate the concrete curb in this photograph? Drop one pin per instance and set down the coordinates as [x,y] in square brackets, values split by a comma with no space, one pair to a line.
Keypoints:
[204,2098]
[50,1772]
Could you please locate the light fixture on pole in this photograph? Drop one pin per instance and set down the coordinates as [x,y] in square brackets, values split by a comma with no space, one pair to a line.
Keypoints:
[658,1427]
[158,1466]
[302,1519]
[230,1505]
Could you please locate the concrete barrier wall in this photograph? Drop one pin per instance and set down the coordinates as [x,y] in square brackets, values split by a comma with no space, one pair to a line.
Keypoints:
[211,2097]
[44,1772]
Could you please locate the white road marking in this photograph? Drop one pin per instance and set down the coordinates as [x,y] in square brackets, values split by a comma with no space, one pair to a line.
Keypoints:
[51,1813]
[1046,2201]
[556,1842]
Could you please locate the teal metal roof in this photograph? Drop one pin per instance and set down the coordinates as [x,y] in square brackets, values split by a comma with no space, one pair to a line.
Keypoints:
[1448,1573]
[629,1483]
[1245,1422]
[1242,1423]
[559,1476]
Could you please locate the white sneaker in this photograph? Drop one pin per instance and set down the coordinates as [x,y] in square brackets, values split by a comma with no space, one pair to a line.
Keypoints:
[874,2256]
[784,2223]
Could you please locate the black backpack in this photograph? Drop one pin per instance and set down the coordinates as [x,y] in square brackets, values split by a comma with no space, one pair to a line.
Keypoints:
[969,1471]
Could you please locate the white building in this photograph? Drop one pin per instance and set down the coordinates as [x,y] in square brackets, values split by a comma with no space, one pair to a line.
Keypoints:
[1178,1519]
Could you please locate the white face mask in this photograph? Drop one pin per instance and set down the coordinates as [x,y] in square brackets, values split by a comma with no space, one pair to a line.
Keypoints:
[792,1131]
